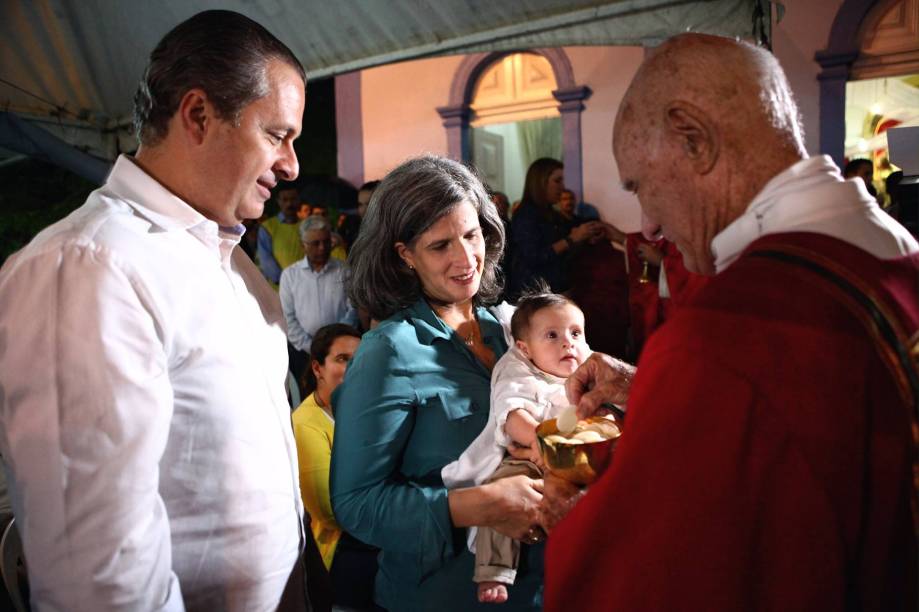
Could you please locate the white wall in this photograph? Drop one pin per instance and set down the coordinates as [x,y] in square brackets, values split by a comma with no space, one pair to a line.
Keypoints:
[803,31]
[400,120]
[399,116]
[608,72]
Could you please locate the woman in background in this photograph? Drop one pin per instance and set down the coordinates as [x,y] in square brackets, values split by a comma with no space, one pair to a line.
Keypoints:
[541,239]
[351,563]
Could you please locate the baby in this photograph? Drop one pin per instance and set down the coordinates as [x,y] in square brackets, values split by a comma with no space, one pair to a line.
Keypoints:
[527,387]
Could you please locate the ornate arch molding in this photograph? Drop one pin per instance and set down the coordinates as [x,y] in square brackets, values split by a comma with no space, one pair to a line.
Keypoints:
[836,66]
[570,96]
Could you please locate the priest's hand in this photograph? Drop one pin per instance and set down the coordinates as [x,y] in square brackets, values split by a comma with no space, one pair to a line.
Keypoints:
[600,379]
[558,498]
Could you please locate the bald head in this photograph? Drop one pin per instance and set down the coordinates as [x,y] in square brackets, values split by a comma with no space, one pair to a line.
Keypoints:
[716,118]
[741,86]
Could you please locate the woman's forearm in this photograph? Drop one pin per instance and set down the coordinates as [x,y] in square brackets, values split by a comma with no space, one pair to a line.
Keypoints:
[509,505]
[471,506]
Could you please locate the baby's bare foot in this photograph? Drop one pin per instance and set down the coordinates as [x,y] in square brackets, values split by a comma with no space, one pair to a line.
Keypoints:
[492,592]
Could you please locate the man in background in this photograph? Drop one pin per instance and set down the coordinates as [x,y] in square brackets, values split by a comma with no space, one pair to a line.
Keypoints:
[313,292]
[278,237]
[143,416]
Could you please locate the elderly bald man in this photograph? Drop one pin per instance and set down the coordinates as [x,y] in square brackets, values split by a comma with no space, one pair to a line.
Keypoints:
[766,459]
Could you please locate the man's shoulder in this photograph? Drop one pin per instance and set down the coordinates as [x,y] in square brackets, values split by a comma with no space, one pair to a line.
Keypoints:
[270,224]
[104,224]
[760,305]
[337,266]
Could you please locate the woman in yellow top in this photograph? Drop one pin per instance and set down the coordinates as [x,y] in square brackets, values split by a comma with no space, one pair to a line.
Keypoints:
[314,427]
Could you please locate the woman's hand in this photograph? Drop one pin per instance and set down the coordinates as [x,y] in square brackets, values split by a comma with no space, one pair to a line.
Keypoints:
[599,379]
[515,505]
[559,497]
[585,231]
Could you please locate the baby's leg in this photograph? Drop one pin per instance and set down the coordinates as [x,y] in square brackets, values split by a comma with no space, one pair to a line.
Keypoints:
[497,555]
[496,559]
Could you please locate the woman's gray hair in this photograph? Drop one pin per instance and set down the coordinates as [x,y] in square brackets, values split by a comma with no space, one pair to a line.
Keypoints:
[408,201]
[314,222]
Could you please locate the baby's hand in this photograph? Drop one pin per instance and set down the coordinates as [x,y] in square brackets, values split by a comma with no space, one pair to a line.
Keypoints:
[535,455]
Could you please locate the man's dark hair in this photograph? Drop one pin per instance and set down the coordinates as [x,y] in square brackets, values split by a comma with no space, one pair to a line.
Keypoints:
[224,53]
[532,301]
[322,343]
[369,186]
[853,166]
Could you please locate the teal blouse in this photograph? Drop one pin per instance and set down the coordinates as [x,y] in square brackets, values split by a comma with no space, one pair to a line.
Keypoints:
[414,397]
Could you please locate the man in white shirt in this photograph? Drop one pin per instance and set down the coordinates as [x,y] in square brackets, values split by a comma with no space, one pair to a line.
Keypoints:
[313,289]
[143,418]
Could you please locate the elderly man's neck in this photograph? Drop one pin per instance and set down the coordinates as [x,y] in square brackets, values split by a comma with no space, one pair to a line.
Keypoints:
[317,266]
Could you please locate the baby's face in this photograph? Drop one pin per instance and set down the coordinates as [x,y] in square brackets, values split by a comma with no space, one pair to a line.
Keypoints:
[555,341]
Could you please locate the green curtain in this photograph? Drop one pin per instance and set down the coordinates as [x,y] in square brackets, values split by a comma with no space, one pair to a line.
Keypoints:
[540,138]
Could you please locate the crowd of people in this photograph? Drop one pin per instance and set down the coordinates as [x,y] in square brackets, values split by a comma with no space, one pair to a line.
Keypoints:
[767,459]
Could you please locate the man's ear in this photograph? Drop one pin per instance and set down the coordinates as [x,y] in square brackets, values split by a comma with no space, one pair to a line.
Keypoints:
[697,134]
[196,115]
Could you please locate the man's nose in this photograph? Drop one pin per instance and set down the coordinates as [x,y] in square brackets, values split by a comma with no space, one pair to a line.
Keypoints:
[650,228]
[287,167]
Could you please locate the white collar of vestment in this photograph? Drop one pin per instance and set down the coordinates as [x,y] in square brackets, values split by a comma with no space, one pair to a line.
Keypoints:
[800,196]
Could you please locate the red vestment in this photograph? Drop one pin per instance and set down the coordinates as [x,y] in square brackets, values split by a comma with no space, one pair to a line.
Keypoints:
[765,463]
[681,283]
[600,286]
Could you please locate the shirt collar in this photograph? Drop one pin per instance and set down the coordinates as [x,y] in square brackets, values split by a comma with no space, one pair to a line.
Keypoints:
[787,200]
[430,327]
[534,369]
[149,198]
[330,266]
[165,210]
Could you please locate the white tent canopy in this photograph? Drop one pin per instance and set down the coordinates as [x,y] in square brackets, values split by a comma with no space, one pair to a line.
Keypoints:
[72,66]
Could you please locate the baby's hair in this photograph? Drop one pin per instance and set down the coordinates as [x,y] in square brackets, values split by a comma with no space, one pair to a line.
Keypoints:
[532,301]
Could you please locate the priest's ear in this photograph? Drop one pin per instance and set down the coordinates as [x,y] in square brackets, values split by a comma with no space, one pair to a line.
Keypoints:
[696,133]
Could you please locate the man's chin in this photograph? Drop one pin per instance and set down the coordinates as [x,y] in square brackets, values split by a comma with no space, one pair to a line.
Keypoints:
[250,211]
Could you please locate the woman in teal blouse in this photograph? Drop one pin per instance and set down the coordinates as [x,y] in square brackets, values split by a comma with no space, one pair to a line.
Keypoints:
[416,393]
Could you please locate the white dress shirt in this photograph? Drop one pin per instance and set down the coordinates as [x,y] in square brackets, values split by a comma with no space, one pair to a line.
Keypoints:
[312,299]
[812,196]
[143,417]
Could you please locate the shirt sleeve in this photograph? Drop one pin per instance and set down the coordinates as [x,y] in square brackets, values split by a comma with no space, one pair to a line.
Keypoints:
[266,260]
[86,411]
[513,388]
[314,455]
[371,497]
[295,332]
